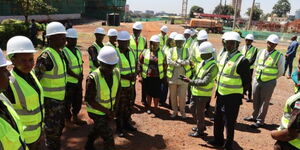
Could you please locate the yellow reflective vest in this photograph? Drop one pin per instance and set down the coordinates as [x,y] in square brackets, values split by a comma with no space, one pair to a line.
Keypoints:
[54,81]
[10,138]
[228,80]
[147,54]
[91,63]
[174,57]
[106,97]
[162,40]
[137,49]
[248,54]
[266,69]
[29,106]
[287,114]
[126,66]
[74,63]
[201,71]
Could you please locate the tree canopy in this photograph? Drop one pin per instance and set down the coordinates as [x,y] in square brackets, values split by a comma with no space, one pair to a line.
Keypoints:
[257,13]
[281,8]
[195,9]
[224,10]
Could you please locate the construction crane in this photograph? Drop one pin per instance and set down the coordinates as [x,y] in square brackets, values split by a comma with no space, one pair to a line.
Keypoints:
[184,8]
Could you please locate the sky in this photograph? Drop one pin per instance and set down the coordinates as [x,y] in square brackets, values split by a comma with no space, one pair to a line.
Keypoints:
[174,6]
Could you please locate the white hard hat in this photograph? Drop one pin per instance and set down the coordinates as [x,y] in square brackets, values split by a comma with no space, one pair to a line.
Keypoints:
[19,44]
[54,28]
[202,35]
[3,61]
[72,33]
[100,31]
[108,55]
[187,31]
[179,37]
[273,38]
[137,26]
[193,32]
[249,37]
[123,36]
[155,38]
[206,47]
[172,35]
[164,28]
[224,35]
[112,32]
[232,36]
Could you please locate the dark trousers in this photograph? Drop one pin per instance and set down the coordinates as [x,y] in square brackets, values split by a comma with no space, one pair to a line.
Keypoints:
[226,113]
[164,92]
[101,128]
[37,145]
[73,99]
[124,107]
[289,64]
[250,87]
[54,122]
[144,94]
[279,145]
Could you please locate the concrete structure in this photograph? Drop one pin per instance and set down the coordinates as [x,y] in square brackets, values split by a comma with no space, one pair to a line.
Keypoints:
[297,14]
[149,12]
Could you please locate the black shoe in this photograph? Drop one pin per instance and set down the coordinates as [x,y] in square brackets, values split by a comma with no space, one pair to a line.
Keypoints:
[194,129]
[215,143]
[144,103]
[256,125]
[249,100]
[129,127]
[197,134]
[250,119]
[120,133]
[89,146]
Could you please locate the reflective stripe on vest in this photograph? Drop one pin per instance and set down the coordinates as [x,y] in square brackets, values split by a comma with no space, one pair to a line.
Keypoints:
[285,119]
[201,72]
[11,139]
[267,68]
[229,81]
[248,54]
[174,57]
[74,62]
[105,96]
[29,106]
[145,65]
[54,81]
[126,67]
[91,63]
[137,49]
[162,41]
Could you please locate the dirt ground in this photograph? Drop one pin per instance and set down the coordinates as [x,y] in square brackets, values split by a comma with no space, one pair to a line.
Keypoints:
[171,134]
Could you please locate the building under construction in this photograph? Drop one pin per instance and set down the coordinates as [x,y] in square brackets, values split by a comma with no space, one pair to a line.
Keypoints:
[66,9]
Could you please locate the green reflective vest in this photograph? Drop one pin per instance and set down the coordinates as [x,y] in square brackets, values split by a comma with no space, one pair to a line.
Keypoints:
[228,80]
[266,69]
[106,97]
[201,71]
[162,41]
[74,63]
[29,106]
[54,81]
[188,43]
[137,49]
[91,63]
[196,56]
[145,66]
[126,66]
[11,139]
[287,114]
[174,57]
[109,44]
[248,54]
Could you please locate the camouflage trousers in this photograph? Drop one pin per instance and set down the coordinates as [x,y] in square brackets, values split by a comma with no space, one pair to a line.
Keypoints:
[125,106]
[101,128]
[54,122]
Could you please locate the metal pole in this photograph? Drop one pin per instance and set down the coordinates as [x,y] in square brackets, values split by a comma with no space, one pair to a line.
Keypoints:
[251,14]
[235,15]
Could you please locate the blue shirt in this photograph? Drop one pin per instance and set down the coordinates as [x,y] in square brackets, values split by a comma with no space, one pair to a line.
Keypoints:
[292,49]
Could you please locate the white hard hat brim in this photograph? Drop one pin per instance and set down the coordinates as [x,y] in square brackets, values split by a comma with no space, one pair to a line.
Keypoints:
[6,64]
[73,37]
[22,51]
[109,63]
[55,33]
[213,50]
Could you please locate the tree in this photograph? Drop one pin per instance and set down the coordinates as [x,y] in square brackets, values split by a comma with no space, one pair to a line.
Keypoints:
[257,13]
[32,7]
[195,9]
[281,8]
[224,10]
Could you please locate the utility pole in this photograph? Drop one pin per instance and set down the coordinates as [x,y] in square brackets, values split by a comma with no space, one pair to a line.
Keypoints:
[184,8]
[235,15]
[251,14]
